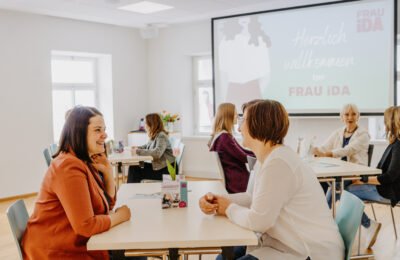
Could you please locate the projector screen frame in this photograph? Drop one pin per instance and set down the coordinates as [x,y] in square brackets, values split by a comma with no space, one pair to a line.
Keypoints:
[304,7]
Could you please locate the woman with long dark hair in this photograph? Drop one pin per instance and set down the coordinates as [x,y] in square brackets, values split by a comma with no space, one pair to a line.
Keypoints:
[75,200]
[159,147]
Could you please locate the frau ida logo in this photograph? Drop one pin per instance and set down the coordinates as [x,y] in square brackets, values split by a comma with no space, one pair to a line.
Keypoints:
[370,20]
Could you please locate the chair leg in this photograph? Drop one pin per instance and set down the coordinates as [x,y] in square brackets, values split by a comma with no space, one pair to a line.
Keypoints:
[373,210]
[199,256]
[359,239]
[394,223]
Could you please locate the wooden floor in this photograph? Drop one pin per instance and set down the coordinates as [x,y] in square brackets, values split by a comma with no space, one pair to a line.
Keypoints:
[385,248]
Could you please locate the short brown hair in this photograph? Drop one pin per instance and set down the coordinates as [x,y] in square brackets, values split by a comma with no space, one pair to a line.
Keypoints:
[247,104]
[155,124]
[267,120]
[74,133]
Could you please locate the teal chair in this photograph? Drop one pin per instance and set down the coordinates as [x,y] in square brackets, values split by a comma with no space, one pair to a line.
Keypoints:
[179,158]
[47,156]
[348,219]
[53,149]
[18,218]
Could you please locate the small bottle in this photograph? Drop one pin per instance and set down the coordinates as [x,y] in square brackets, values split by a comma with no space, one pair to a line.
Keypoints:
[300,141]
[310,153]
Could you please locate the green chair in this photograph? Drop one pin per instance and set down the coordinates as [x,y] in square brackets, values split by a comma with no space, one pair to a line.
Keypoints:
[47,156]
[348,219]
[18,218]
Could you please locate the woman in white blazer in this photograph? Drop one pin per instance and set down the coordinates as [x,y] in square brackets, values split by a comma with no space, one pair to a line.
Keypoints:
[350,143]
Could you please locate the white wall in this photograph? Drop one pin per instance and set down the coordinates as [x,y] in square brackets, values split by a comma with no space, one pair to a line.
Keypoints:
[170,68]
[170,87]
[25,84]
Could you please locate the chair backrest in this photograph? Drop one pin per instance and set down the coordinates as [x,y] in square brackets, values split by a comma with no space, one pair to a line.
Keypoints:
[47,156]
[370,152]
[53,149]
[220,168]
[179,158]
[18,218]
[348,219]
[172,142]
[251,161]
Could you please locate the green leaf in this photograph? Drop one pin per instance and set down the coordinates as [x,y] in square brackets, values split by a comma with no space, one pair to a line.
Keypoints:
[171,169]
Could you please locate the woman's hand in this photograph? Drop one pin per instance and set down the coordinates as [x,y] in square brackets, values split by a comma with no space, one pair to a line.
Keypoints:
[207,204]
[133,150]
[102,164]
[121,214]
[318,153]
[223,203]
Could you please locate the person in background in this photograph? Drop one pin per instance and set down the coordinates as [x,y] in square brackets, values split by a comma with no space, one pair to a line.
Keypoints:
[386,186]
[74,202]
[350,142]
[159,147]
[232,155]
[284,204]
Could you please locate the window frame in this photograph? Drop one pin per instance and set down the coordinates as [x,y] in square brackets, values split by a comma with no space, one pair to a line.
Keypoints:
[73,87]
[197,84]
[375,124]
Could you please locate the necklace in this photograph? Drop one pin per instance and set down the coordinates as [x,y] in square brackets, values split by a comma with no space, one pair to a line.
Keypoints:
[350,132]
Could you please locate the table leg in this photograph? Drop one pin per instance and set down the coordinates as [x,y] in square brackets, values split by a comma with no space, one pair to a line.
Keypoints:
[334,198]
[173,254]
[118,254]
[228,253]
[123,174]
[116,176]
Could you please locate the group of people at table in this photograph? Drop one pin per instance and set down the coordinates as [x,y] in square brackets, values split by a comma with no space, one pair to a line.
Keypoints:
[283,203]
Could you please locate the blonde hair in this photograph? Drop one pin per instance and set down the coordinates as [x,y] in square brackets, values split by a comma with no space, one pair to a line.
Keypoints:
[392,123]
[348,107]
[223,119]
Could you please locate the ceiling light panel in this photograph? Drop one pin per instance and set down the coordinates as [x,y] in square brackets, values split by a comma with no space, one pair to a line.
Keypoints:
[145,7]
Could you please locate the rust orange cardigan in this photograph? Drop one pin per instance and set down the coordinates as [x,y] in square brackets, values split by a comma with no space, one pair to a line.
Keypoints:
[71,207]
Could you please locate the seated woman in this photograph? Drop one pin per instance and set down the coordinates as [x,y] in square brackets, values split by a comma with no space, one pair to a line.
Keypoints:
[350,142]
[386,186]
[74,201]
[233,156]
[158,147]
[284,203]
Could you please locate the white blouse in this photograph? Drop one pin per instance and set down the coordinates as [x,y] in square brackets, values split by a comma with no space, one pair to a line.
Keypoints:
[285,204]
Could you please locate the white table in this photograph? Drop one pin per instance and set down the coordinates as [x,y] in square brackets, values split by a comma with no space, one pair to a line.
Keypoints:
[332,169]
[120,160]
[174,229]
[322,167]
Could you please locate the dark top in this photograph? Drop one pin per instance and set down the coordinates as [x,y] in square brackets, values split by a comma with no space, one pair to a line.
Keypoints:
[390,177]
[345,142]
[233,159]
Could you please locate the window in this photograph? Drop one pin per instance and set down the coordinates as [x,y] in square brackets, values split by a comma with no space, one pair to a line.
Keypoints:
[203,94]
[74,81]
[376,125]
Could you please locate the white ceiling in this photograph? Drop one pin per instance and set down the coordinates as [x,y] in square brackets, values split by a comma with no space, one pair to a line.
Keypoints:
[105,11]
